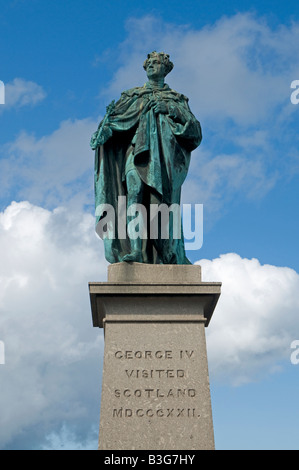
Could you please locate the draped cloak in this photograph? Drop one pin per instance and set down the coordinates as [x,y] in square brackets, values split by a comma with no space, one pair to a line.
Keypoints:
[159,147]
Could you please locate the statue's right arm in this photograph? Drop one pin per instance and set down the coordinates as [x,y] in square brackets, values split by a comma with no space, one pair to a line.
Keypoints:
[125,115]
[100,137]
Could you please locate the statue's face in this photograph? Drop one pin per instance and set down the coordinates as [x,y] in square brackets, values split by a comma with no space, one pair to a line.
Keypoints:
[155,67]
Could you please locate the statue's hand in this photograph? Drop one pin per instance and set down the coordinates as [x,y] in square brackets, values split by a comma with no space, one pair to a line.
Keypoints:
[161,108]
[93,140]
[100,137]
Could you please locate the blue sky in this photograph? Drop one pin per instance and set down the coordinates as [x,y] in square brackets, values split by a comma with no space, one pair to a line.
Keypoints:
[62,63]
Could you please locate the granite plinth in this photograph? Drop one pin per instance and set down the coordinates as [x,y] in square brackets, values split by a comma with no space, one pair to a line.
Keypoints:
[155,388]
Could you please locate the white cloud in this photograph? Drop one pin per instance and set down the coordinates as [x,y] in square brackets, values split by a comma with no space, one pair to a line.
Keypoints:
[67,439]
[20,92]
[53,354]
[52,169]
[255,320]
[214,180]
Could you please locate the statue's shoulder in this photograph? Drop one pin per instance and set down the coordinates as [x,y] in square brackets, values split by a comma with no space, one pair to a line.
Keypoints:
[139,90]
[176,95]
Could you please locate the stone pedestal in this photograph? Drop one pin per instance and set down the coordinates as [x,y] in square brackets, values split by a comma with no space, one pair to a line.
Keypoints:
[155,388]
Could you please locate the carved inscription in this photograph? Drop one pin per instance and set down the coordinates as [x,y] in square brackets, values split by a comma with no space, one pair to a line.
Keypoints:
[155,392]
[155,373]
[160,413]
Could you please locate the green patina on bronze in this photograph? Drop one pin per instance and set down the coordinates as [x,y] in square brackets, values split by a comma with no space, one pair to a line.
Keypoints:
[143,148]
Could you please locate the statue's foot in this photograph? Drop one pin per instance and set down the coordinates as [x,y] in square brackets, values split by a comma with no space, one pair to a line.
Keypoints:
[134,257]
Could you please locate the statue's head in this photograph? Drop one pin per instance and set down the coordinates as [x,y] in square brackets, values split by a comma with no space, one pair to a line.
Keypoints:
[160,58]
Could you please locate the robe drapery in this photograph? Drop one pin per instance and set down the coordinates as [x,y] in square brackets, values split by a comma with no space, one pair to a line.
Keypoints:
[159,147]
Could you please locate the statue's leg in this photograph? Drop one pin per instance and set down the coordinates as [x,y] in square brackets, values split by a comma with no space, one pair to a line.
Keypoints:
[169,244]
[135,187]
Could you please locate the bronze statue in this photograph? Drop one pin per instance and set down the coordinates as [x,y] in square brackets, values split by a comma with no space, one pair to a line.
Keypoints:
[143,148]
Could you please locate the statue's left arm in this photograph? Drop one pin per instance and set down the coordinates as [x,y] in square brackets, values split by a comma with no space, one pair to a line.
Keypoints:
[183,123]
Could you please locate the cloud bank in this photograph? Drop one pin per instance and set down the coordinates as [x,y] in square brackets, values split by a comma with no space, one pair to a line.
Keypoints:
[256,318]
[51,170]
[51,375]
